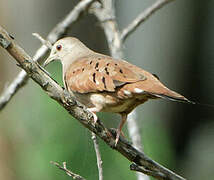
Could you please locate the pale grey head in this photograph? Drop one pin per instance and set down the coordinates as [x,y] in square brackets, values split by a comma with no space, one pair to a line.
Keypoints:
[67,50]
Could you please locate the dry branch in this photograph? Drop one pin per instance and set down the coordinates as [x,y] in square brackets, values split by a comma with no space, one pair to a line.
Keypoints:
[142,17]
[79,111]
[98,155]
[106,16]
[67,171]
[135,167]
[134,133]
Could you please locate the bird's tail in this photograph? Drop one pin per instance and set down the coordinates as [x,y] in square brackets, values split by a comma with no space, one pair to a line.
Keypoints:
[183,100]
[168,94]
[178,98]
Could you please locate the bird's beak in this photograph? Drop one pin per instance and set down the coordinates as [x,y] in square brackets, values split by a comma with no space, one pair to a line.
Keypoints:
[49,59]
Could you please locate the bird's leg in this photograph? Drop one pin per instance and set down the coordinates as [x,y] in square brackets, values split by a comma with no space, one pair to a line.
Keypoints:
[122,121]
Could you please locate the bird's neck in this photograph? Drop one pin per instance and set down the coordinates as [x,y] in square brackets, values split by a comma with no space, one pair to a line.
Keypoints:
[71,57]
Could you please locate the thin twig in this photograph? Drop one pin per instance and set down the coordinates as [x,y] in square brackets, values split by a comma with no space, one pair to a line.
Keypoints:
[105,14]
[67,171]
[57,32]
[134,134]
[42,40]
[142,18]
[10,91]
[98,155]
[135,167]
[79,111]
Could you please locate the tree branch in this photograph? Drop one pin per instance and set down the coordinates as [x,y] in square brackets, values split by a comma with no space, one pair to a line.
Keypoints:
[134,133]
[67,171]
[135,167]
[106,16]
[42,40]
[142,18]
[98,155]
[78,110]
[57,32]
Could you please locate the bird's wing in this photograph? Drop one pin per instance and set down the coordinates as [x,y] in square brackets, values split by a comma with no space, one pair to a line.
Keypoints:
[100,73]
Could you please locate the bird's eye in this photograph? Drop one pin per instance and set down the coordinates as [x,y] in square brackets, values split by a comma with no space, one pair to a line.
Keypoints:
[59,47]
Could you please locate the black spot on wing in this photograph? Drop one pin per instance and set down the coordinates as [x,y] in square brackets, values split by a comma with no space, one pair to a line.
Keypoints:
[94,75]
[106,69]
[97,65]
[104,82]
[155,75]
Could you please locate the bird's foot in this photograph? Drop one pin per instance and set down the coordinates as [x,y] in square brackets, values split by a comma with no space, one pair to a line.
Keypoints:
[95,118]
[117,137]
[119,129]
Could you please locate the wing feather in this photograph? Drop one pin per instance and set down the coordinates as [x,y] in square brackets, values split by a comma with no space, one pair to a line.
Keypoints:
[100,73]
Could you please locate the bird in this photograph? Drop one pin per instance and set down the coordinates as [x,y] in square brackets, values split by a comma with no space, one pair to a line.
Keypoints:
[105,84]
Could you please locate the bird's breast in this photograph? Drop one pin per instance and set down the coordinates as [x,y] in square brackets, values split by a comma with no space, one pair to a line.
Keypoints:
[108,102]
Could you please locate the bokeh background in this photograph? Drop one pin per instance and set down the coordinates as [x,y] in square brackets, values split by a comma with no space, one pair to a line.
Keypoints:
[176,44]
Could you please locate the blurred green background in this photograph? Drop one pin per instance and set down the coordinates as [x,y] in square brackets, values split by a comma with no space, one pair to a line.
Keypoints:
[176,43]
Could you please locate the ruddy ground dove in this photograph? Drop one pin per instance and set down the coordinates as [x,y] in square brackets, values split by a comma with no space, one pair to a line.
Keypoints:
[103,83]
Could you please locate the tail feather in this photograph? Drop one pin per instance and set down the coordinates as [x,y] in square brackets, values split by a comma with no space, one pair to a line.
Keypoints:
[173,98]
[183,100]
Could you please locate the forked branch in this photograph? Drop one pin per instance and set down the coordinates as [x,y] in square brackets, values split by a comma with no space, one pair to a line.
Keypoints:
[142,17]
[67,171]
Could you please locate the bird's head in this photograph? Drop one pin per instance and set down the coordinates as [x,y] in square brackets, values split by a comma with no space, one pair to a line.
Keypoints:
[67,46]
